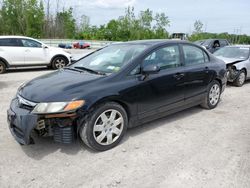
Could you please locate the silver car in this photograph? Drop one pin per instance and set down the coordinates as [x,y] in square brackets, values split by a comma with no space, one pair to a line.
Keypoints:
[238,63]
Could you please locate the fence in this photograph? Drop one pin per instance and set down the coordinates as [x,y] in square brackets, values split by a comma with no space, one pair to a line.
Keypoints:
[93,44]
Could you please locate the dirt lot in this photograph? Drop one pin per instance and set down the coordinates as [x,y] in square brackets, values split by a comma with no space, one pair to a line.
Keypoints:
[193,148]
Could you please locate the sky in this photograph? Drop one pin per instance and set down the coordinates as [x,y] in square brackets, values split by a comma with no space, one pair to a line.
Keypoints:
[232,16]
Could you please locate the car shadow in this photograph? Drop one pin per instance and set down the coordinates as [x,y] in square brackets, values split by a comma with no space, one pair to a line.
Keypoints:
[30,69]
[45,145]
[141,129]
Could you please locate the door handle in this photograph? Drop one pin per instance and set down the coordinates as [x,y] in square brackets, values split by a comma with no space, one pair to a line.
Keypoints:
[178,76]
[27,50]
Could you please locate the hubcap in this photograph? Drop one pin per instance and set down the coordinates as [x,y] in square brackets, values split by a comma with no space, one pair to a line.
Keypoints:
[108,127]
[1,68]
[60,63]
[242,78]
[214,94]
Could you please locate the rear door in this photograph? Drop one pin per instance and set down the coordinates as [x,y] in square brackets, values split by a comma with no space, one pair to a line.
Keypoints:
[34,53]
[165,90]
[199,71]
[11,49]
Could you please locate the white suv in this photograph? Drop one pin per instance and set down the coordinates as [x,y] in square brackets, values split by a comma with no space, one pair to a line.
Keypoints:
[18,51]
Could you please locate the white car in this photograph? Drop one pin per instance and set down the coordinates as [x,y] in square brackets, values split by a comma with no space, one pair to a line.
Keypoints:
[19,51]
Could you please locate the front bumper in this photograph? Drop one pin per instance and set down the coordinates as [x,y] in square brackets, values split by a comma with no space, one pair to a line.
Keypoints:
[22,123]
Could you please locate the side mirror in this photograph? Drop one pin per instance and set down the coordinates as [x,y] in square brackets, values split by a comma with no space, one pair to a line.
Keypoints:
[44,46]
[151,69]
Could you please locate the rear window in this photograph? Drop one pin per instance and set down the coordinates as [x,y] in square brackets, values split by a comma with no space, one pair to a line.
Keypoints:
[10,42]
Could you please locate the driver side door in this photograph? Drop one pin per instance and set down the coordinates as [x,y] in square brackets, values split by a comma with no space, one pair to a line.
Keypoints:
[163,91]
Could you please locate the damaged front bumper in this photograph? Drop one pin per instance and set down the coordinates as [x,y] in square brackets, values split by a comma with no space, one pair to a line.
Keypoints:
[22,123]
[232,74]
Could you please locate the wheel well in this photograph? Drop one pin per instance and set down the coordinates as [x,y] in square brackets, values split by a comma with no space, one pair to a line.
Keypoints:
[220,82]
[5,62]
[126,108]
[245,70]
[59,56]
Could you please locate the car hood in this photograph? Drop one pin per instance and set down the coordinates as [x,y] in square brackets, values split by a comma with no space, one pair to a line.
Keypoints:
[230,60]
[61,85]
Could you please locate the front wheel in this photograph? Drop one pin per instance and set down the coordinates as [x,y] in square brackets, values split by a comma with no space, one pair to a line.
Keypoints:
[240,80]
[213,95]
[59,62]
[105,127]
[2,67]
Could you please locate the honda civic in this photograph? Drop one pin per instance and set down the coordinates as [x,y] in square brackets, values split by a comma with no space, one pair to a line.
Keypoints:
[117,87]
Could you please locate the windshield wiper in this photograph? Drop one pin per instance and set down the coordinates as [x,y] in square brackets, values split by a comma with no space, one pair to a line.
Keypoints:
[70,68]
[90,70]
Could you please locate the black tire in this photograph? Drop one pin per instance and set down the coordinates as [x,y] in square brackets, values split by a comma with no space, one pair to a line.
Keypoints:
[208,102]
[59,62]
[2,67]
[88,135]
[240,80]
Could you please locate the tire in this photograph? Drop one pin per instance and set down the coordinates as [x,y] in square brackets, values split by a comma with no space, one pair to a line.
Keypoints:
[2,67]
[59,62]
[100,132]
[240,80]
[213,95]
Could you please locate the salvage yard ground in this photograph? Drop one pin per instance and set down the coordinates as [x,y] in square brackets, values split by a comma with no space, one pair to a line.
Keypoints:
[193,148]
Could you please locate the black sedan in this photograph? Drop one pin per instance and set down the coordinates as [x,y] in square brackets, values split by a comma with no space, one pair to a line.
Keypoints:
[115,88]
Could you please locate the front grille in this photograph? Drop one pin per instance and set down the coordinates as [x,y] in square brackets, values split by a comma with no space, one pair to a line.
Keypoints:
[63,134]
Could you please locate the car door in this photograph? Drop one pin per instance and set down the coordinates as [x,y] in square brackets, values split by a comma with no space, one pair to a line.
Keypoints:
[199,72]
[11,49]
[34,53]
[164,90]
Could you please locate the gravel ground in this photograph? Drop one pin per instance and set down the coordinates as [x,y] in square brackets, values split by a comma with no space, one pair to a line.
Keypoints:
[193,148]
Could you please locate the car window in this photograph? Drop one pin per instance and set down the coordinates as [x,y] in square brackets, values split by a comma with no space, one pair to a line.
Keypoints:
[31,43]
[10,42]
[167,57]
[223,43]
[194,55]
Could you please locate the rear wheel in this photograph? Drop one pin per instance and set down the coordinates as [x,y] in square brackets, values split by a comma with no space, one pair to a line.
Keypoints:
[2,67]
[59,62]
[105,127]
[213,95]
[240,80]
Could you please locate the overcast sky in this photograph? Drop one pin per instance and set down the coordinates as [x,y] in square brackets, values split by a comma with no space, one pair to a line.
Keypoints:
[231,16]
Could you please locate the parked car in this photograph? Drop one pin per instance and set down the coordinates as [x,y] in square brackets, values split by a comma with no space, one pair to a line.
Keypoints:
[212,45]
[238,63]
[81,45]
[19,51]
[120,86]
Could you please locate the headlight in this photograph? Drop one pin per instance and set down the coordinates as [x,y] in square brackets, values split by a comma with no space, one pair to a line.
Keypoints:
[57,107]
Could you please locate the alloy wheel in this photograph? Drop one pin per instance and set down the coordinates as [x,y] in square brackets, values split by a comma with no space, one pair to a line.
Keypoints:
[214,94]
[242,78]
[108,127]
[60,63]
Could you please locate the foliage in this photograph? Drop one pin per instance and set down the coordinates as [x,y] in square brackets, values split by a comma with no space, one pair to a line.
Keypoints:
[28,17]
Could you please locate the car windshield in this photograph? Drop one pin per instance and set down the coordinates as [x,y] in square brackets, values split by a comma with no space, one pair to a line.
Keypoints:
[110,59]
[233,52]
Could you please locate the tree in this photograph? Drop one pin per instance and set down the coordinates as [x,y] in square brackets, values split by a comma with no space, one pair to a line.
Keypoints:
[198,27]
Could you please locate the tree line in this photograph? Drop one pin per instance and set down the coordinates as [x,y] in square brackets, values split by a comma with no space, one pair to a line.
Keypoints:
[39,19]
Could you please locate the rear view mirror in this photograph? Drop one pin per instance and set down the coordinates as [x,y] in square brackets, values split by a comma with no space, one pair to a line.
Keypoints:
[151,69]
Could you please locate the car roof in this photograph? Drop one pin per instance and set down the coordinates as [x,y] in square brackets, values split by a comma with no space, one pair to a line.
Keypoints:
[238,46]
[154,42]
[14,37]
